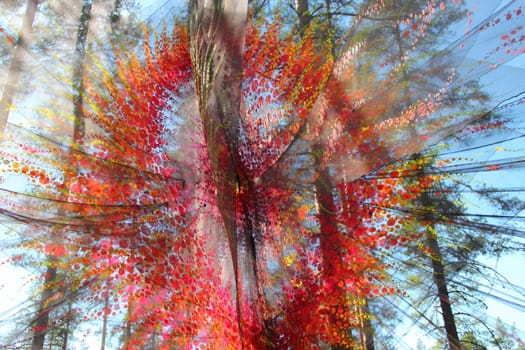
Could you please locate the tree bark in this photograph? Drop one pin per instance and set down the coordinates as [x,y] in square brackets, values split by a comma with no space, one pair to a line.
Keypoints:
[303,15]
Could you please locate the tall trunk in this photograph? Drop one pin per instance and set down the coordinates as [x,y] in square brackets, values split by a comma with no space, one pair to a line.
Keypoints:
[366,331]
[128,332]
[303,15]
[51,273]
[105,317]
[440,282]
[15,69]
[329,231]
[48,290]
[326,216]
[127,329]
[217,34]
[327,212]
[68,324]
[78,69]
[438,269]
[439,276]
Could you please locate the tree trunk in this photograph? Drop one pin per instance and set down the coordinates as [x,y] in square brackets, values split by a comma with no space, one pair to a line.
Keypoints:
[438,271]
[216,42]
[41,324]
[78,70]
[127,329]
[327,212]
[13,76]
[51,273]
[68,324]
[431,240]
[366,331]
[440,282]
[105,318]
[217,34]
[303,15]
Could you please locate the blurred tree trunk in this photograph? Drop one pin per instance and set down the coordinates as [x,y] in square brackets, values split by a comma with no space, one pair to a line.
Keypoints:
[366,330]
[440,282]
[40,327]
[15,69]
[327,212]
[217,35]
[78,69]
[51,274]
[68,324]
[105,317]
[438,269]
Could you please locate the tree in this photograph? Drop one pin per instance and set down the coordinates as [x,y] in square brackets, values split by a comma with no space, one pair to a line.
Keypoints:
[391,26]
[438,271]
[42,322]
[52,286]
[22,45]
[254,114]
[455,239]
